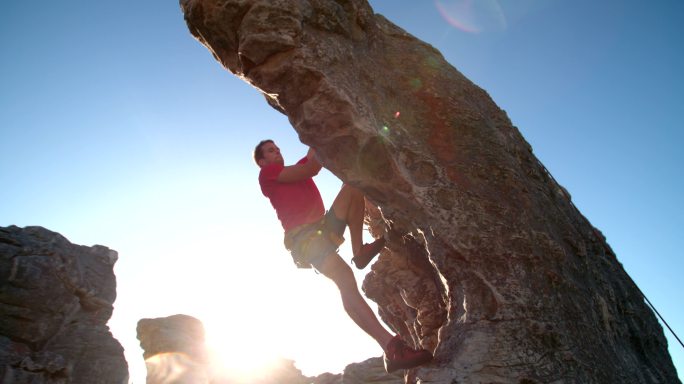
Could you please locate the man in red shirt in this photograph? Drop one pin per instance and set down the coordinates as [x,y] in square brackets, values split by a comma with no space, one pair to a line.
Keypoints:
[313,236]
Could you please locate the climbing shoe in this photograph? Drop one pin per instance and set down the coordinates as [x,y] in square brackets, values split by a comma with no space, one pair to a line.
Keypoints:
[368,252]
[399,355]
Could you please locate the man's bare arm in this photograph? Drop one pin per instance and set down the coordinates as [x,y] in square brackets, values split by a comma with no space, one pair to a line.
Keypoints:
[298,172]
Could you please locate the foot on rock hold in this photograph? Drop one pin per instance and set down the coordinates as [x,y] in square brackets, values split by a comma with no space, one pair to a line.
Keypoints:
[368,252]
[399,355]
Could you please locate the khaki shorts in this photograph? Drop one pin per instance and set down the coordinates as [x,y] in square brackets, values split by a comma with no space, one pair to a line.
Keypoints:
[310,244]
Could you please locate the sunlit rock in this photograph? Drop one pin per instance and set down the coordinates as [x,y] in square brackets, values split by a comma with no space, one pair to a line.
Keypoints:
[174,350]
[370,371]
[489,263]
[56,298]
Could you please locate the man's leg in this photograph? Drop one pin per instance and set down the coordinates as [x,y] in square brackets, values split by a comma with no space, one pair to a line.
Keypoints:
[398,355]
[341,274]
[349,206]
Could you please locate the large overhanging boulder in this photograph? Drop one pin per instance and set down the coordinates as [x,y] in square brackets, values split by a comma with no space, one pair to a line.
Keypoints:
[490,264]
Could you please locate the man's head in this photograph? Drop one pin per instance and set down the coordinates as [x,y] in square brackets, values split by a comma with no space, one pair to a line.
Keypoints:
[266,152]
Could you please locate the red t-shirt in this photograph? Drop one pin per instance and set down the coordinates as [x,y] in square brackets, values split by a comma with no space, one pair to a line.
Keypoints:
[295,203]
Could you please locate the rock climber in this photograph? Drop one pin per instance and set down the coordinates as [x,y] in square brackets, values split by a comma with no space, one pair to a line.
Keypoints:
[313,236]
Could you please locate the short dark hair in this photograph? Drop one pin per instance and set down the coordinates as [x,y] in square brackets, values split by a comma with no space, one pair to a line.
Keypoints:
[258,154]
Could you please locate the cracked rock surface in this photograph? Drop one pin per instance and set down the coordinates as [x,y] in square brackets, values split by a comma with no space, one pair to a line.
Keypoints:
[56,298]
[488,262]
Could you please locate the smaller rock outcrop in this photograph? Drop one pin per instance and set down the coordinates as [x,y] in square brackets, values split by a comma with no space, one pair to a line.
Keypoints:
[56,298]
[174,350]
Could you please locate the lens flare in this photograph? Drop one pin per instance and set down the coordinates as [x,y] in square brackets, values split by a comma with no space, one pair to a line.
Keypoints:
[242,366]
[473,16]
[416,84]
[175,367]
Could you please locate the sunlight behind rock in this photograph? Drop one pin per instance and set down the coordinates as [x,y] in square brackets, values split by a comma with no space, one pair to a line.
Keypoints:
[241,366]
[175,367]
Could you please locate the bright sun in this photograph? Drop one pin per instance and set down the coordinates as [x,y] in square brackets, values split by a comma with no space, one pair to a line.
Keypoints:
[250,313]
[260,310]
[241,366]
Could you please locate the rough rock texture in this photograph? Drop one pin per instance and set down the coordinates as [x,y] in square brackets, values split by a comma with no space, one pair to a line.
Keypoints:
[174,350]
[489,263]
[177,333]
[56,299]
[370,371]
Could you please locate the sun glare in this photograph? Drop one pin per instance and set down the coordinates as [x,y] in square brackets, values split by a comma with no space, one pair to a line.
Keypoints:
[244,365]
[263,323]
[174,368]
[259,312]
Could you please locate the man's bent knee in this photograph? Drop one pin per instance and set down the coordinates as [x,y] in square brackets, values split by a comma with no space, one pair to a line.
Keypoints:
[334,268]
[354,192]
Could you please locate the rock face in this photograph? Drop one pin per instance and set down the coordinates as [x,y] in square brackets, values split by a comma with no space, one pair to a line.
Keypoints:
[56,299]
[488,263]
[370,371]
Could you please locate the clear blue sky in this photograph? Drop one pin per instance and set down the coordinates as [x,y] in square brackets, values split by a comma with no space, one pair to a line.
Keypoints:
[118,128]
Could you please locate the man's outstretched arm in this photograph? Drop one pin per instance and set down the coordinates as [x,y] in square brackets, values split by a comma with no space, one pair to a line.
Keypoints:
[298,172]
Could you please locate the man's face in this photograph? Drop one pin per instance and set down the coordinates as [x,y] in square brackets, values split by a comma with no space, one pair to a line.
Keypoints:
[271,154]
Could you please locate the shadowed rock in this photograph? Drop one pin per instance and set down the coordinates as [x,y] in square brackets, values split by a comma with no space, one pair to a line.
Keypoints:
[488,263]
[55,300]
